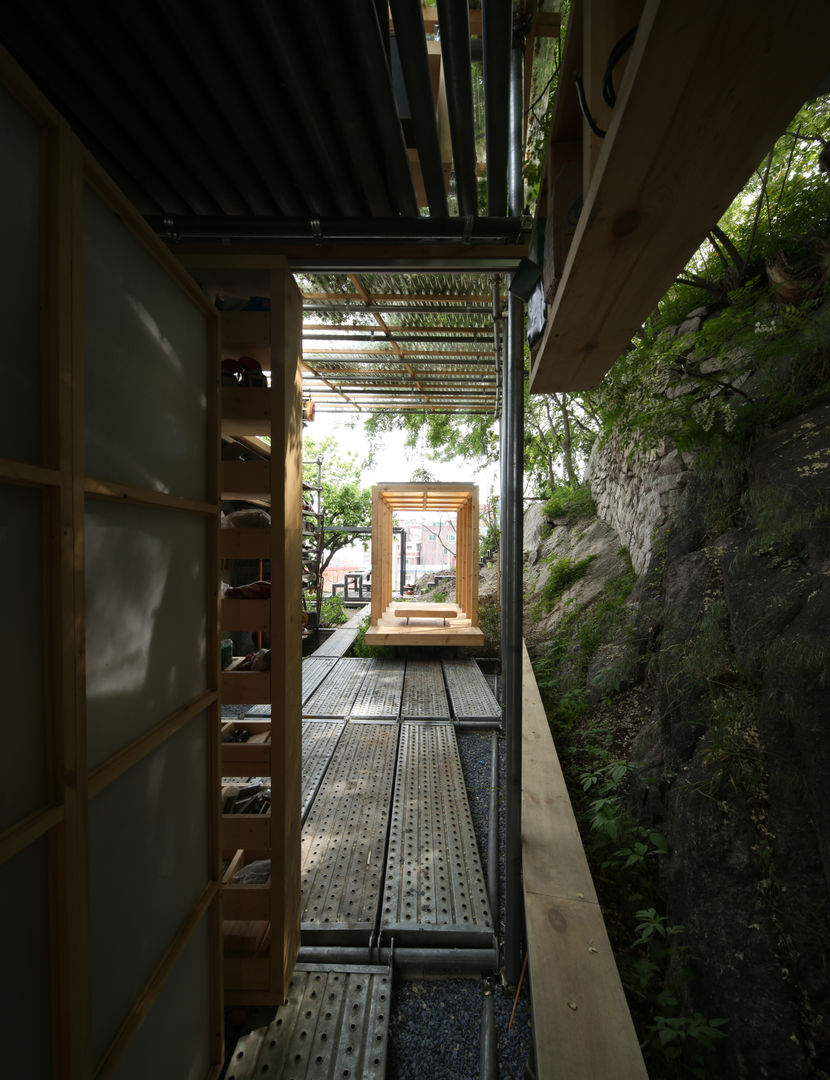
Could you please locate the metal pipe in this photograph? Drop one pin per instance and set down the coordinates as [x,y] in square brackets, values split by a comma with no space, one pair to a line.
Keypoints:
[454,25]
[379,105]
[407,309]
[496,34]
[493,832]
[357,229]
[511,581]
[433,960]
[412,49]
[488,1058]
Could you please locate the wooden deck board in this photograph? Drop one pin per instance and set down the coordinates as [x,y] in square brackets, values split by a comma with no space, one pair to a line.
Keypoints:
[582,1026]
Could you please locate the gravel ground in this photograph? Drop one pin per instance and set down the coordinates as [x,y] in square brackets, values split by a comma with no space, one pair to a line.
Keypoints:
[435,1026]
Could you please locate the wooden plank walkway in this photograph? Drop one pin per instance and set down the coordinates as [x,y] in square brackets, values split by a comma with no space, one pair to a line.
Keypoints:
[582,1024]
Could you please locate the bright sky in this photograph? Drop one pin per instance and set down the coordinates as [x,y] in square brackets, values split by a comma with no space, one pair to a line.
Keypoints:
[391,464]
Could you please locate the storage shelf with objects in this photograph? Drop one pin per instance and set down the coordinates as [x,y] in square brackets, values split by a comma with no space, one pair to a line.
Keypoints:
[261,930]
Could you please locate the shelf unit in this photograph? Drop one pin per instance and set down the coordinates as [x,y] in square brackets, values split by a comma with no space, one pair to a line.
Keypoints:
[313,534]
[261,922]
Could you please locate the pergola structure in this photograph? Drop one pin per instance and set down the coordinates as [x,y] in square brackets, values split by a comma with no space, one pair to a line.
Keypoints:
[417,623]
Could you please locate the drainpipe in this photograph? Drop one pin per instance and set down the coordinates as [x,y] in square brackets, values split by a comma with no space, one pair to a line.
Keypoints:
[511,538]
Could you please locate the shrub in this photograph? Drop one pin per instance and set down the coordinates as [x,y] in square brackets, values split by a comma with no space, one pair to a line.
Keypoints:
[333,611]
[568,504]
[564,572]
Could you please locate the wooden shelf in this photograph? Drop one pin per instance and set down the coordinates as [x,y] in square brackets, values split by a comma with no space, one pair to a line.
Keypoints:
[246,479]
[258,964]
[245,687]
[251,758]
[246,901]
[246,328]
[246,410]
[245,543]
[239,613]
[695,114]
[247,831]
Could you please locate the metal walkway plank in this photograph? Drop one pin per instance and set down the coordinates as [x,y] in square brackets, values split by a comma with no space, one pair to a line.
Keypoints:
[379,697]
[344,837]
[338,644]
[435,891]
[470,696]
[424,694]
[315,669]
[319,742]
[334,1023]
[335,695]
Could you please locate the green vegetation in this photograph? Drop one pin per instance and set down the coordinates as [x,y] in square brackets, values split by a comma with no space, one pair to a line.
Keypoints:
[562,670]
[440,596]
[333,611]
[564,572]
[567,504]
[343,500]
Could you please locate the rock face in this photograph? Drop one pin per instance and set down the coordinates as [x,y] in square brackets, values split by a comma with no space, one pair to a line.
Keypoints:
[637,493]
[736,754]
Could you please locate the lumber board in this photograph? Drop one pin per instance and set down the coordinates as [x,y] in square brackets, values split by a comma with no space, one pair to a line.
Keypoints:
[246,410]
[245,543]
[246,328]
[696,112]
[243,479]
[582,1025]
[426,611]
[245,613]
[245,687]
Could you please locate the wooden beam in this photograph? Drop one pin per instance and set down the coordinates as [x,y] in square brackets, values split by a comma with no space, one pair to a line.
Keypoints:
[696,112]
[582,1026]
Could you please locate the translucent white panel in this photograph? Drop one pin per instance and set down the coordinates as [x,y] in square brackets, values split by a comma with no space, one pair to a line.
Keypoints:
[146,617]
[174,1041]
[19,286]
[24,993]
[22,772]
[145,365]
[147,867]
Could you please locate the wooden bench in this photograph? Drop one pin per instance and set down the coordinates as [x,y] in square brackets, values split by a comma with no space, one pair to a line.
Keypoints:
[426,611]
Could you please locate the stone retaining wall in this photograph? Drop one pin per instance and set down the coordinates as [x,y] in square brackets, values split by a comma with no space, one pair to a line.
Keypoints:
[637,492]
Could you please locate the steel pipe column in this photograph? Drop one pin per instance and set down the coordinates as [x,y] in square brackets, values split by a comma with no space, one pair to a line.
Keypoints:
[511,546]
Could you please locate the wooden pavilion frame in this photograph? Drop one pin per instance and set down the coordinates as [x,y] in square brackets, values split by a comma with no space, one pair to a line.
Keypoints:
[425,624]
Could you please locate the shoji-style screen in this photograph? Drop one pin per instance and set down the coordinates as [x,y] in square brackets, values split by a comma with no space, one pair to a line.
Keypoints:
[109,821]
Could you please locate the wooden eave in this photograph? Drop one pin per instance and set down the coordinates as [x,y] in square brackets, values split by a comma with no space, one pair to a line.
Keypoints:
[707,89]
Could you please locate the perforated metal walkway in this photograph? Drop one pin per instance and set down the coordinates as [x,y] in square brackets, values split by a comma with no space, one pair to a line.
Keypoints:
[334,1023]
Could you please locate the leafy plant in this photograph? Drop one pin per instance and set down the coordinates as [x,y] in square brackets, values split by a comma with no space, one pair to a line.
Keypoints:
[333,611]
[567,504]
[564,572]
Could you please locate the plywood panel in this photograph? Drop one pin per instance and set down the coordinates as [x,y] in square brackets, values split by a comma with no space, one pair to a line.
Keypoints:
[22,762]
[145,597]
[20,429]
[148,857]
[145,346]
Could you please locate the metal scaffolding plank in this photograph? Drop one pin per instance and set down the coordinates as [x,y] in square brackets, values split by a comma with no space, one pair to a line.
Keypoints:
[379,697]
[319,742]
[334,697]
[424,694]
[344,837]
[470,696]
[338,644]
[435,890]
[334,1023]
[315,669]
